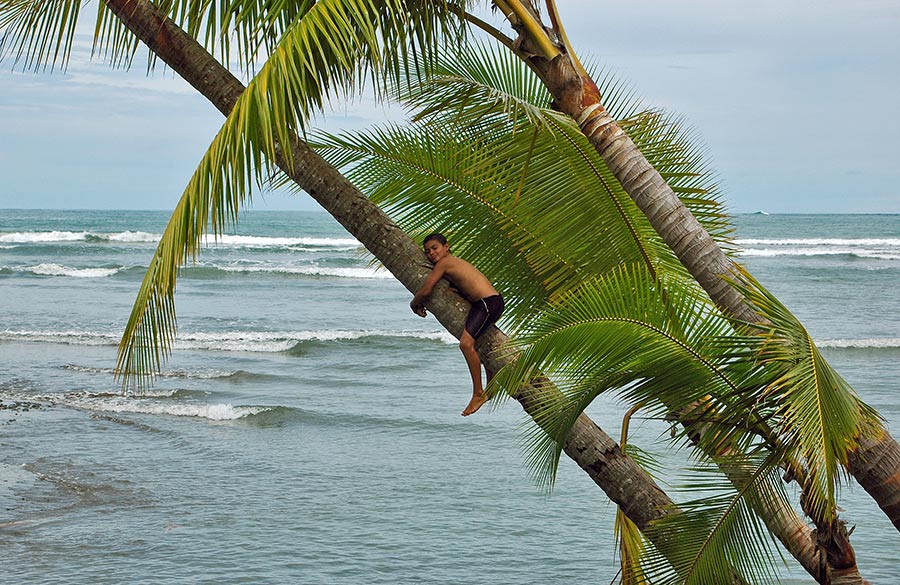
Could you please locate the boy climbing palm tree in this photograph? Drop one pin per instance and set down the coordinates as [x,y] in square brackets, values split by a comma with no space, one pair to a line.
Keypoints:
[487,306]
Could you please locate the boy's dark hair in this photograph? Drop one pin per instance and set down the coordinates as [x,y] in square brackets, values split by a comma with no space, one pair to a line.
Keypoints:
[435,236]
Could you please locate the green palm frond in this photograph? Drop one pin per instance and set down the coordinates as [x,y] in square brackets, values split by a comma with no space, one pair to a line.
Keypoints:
[719,534]
[38,34]
[274,106]
[475,85]
[818,414]
[484,85]
[246,32]
[517,186]
[625,331]
[516,203]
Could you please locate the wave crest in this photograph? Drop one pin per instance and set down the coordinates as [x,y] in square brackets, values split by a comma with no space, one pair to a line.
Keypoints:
[39,237]
[866,248]
[249,341]
[871,343]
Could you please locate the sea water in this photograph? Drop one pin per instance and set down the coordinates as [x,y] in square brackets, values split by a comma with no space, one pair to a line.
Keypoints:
[306,428]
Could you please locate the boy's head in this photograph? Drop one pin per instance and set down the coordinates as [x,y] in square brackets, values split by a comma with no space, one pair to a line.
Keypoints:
[436,246]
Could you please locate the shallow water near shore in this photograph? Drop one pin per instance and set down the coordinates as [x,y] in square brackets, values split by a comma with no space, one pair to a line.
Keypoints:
[306,429]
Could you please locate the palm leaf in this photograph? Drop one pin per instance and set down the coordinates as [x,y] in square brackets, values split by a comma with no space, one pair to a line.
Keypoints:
[481,85]
[719,533]
[38,34]
[247,32]
[496,215]
[276,104]
[617,332]
[818,414]
[516,185]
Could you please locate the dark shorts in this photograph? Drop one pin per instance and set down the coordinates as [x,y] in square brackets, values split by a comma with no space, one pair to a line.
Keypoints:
[483,314]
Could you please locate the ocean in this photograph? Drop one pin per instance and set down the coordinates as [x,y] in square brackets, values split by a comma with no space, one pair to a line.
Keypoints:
[307,427]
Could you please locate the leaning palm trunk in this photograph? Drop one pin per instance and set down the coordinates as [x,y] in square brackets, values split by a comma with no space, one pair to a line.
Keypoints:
[588,445]
[874,462]
[693,246]
[594,451]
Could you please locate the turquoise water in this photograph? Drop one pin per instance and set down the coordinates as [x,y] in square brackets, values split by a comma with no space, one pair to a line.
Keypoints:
[307,428]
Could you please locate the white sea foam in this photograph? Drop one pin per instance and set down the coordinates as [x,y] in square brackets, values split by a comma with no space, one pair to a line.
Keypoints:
[67,236]
[51,269]
[137,236]
[869,254]
[145,405]
[67,337]
[867,248]
[34,237]
[894,242]
[133,237]
[872,343]
[263,241]
[368,273]
[274,342]
[249,341]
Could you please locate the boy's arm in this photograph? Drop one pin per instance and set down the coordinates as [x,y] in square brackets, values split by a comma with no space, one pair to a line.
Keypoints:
[425,291]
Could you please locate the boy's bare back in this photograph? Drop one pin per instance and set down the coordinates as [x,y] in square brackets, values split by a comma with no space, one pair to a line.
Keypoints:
[466,278]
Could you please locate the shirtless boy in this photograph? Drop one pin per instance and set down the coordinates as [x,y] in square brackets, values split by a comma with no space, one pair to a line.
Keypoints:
[487,306]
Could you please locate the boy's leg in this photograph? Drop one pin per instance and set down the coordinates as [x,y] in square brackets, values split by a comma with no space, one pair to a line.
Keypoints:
[467,346]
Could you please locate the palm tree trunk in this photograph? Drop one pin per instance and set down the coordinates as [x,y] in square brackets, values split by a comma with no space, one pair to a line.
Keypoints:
[698,252]
[875,462]
[576,94]
[588,445]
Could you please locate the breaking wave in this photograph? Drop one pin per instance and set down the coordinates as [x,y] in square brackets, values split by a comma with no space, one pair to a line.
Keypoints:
[865,248]
[151,403]
[134,236]
[51,269]
[65,236]
[871,343]
[244,341]
[368,273]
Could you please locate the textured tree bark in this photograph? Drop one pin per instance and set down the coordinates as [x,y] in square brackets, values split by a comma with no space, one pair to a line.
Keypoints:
[591,448]
[706,262]
[594,451]
[578,96]
[876,466]
[694,247]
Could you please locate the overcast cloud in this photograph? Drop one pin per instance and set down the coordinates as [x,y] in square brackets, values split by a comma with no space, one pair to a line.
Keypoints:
[796,102]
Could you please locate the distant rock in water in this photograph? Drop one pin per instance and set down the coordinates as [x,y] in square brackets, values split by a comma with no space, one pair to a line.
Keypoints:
[760,212]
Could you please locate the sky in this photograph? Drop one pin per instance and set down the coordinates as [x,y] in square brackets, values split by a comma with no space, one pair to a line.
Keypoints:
[795,101]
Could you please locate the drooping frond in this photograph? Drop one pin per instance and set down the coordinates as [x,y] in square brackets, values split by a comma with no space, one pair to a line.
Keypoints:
[246,32]
[718,537]
[624,331]
[523,204]
[656,342]
[485,85]
[632,546]
[814,410]
[327,46]
[38,34]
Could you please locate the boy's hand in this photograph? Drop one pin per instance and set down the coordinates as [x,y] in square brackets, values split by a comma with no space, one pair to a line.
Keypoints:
[418,310]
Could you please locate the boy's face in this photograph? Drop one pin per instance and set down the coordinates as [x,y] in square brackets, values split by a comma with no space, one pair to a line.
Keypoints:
[436,250]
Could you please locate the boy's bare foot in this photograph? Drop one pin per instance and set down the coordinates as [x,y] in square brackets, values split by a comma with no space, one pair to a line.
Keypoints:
[475,404]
